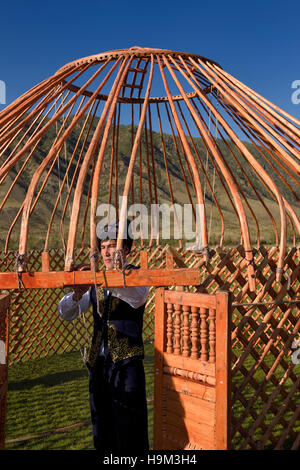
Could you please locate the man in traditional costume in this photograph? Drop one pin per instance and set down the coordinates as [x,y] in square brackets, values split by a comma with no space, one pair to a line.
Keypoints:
[117,378]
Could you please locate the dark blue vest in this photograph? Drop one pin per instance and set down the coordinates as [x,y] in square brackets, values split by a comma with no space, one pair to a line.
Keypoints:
[120,327]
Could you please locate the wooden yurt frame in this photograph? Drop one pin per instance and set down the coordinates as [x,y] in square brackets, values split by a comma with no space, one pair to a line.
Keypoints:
[262,283]
[265,325]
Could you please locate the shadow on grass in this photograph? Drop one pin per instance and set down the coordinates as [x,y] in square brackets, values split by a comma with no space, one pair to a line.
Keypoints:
[49,380]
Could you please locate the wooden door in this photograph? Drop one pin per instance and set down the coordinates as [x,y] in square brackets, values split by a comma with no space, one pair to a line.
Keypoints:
[4,306]
[192,369]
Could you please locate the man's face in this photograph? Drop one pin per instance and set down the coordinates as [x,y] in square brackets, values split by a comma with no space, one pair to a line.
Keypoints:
[108,247]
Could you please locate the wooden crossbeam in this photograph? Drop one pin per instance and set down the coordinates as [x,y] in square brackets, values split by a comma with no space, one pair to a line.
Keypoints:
[144,277]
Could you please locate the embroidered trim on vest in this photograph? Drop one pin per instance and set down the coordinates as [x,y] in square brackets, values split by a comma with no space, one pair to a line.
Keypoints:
[120,348]
[100,294]
[94,351]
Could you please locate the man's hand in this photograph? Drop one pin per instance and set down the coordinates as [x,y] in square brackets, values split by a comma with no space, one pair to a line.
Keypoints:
[82,289]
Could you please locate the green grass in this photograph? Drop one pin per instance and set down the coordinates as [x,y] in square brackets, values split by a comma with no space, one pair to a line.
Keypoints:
[50,393]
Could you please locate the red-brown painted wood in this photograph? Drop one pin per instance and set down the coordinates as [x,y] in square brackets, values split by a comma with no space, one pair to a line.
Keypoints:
[191,401]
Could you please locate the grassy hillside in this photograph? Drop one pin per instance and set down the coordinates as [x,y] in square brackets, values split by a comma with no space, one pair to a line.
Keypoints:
[43,209]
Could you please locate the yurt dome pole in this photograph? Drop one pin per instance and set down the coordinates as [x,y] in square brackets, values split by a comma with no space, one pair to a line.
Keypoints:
[52,155]
[253,188]
[69,264]
[243,108]
[258,168]
[201,222]
[128,179]
[42,105]
[259,176]
[228,178]
[65,178]
[57,127]
[253,162]
[266,105]
[96,177]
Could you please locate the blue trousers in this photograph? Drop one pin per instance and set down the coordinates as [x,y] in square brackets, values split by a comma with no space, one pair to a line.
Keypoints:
[118,406]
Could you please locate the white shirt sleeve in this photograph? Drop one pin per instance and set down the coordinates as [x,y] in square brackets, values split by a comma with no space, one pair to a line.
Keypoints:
[69,309]
[134,296]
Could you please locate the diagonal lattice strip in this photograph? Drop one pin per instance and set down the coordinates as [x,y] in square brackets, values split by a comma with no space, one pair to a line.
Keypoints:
[265,325]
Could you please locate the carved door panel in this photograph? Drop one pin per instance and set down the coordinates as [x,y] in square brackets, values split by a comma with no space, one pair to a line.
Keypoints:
[192,366]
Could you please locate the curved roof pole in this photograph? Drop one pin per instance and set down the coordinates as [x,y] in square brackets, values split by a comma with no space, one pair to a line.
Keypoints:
[218,132]
[155,185]
[168,174]
[41,106]
[253,118]
[288,207]
[252,162]
[123,208]
[214,164]
[260,99]
[201,222]
[227,176]
[205,175]
[289,130]
[69,261]
[257,167]
[22,104]
[65,178]
[76,172]
[180,161]
[149,175]
[53,153]
[96,176]
[36,123]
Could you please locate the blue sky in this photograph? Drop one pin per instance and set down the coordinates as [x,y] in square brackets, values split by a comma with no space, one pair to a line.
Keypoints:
[258,42]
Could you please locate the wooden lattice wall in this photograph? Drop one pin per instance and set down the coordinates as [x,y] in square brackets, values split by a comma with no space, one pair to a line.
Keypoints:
[265,381]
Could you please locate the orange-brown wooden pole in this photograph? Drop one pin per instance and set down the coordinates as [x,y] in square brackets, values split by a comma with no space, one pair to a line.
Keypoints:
[30,97]
[258,124]
[66,175]
[96,176]
[167,171]
[267,105]
[258,168]
[234,191]
[75,174]
[55,279]
[54,150]
[69,262]
[49,123]
[160,329]
[223,370]
[123,208]
[155,185]
[205,175]
[200,201]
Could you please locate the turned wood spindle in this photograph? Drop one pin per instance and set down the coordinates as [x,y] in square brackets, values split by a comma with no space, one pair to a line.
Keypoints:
[194,333]
[203,334]
[185,335]
[169,328]
[212,335]
[177,324]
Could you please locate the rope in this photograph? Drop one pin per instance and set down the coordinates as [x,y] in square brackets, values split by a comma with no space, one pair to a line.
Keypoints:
[251,261]
[94,257]
[20,261]
[119,260]
[84,352]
